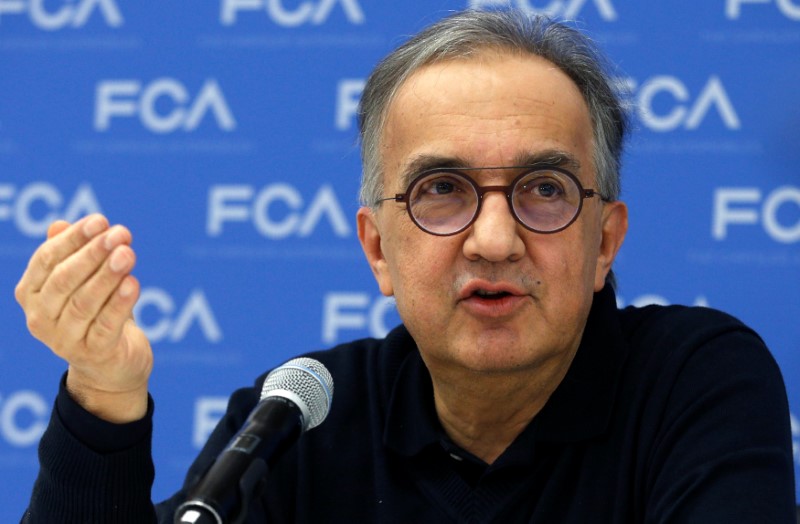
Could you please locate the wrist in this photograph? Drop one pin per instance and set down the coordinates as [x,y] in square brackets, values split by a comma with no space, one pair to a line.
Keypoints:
[115,406]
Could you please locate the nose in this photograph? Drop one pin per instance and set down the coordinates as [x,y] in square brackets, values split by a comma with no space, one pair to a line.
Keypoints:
[495,234]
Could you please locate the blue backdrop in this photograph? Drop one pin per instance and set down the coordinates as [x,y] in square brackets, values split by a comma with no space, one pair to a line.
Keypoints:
[222,133]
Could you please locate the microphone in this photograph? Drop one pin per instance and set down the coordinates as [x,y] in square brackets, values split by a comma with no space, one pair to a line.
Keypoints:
[295,397]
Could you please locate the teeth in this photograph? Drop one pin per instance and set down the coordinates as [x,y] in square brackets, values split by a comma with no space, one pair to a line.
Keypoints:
[484,293]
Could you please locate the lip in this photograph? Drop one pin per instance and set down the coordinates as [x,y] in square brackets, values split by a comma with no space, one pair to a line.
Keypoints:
[504,306]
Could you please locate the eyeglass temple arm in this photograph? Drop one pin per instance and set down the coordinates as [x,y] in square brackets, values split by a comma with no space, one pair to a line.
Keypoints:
[589,193]
[399,197]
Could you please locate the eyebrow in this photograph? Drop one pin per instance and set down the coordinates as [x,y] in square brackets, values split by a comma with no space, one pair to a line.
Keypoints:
[545,158]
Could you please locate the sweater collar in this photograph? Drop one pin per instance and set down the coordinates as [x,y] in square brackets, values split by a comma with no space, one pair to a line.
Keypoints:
[580,407]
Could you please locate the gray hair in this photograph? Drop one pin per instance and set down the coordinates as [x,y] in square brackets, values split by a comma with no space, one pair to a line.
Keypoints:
[466,34]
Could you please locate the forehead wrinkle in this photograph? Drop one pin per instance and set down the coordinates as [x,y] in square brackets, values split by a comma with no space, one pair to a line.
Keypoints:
[425,162]
[421,98]
[552,153]
[545,158]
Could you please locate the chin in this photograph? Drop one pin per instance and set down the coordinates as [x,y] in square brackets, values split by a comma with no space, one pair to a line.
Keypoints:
[499,358]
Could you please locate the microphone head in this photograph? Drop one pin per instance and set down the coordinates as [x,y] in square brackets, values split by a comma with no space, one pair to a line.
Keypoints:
[307,383]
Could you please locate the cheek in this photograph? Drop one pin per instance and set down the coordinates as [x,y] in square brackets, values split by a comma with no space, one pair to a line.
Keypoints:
[566,261]
[568,284]
[399,246]
[421,266]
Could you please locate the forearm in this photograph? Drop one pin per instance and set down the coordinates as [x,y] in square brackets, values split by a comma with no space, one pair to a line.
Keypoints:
[89,482]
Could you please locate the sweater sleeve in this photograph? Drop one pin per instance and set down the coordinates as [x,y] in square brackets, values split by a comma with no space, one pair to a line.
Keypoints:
[95,472]
[92,471]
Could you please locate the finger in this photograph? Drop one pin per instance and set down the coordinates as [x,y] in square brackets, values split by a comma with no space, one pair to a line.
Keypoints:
[109,324]
[57,249]
[85,303]
[43,260]
[56,227]
[78,269]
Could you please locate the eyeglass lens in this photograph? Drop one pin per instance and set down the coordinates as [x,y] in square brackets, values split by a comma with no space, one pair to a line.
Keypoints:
[443,203]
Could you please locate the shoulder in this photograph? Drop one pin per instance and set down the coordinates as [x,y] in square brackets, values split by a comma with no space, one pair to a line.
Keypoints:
[710,408]
[679,323]
[678,333]
[682,352]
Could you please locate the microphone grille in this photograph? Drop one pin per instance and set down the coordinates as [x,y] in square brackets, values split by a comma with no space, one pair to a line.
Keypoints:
[307,383]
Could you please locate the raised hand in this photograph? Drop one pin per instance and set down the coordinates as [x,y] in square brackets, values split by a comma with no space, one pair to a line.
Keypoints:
[78,296]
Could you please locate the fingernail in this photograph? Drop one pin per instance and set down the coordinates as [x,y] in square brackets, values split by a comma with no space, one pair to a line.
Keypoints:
[126,288]
[114,238]
[93,226]
[119,261]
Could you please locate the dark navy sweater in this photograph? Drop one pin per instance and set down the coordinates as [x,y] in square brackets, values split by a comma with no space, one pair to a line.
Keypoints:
[667,414]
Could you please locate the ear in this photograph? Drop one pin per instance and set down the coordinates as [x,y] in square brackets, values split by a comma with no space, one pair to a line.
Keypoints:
[370,236]
[614,227]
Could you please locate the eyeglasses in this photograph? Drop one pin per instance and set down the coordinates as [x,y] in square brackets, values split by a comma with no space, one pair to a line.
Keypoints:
[445,201]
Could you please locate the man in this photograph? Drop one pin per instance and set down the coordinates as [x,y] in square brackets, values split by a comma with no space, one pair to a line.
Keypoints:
[514,391]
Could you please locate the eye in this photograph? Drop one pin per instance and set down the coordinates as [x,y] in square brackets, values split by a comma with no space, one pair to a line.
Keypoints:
[440,184]
[442,187]
[547,189]
[542,186]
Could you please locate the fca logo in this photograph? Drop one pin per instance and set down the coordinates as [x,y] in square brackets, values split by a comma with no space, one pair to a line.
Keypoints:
[67,15]
[777,211]
[241,203]
[160,318]
[23,417]
[31,208]
[356,311]
[127,98]
[665,104]
[733,8]
[556,8]
[315,13]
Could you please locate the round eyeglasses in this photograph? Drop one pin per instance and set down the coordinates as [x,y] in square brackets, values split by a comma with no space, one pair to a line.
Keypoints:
[445,201]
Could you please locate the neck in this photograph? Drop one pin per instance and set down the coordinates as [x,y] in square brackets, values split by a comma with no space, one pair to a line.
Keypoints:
[484,412]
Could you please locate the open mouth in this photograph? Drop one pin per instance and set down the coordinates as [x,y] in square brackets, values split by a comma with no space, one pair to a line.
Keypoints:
[491,295]
[492,300]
